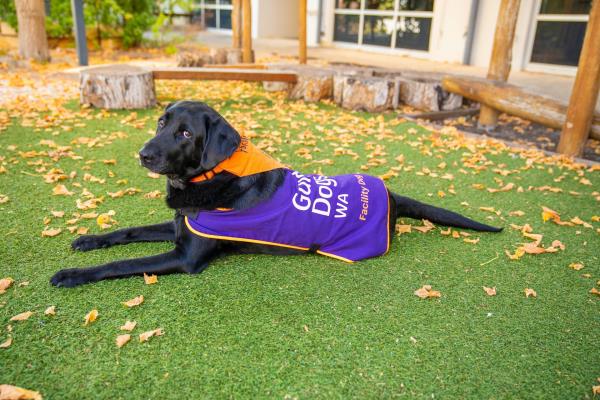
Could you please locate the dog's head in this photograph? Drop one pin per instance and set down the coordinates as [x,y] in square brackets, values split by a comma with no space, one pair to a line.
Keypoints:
[191,138]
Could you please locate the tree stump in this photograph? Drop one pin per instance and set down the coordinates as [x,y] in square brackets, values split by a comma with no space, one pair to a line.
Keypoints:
[234,56]
[313,84]
[189,59]
[117,87]
[426,94]
[366,93]
[219,56]
[341,73]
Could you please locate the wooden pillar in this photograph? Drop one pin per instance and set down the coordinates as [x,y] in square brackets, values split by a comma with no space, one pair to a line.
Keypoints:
[236,24]
[247,31]
[501,54]
[584,94]
[302,31]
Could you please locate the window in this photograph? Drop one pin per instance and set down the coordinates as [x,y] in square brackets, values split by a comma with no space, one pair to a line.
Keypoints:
[559,32]
[216,13]
[396,24]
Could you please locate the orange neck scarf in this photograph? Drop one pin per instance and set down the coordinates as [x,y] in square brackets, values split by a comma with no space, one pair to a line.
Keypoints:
[246,160]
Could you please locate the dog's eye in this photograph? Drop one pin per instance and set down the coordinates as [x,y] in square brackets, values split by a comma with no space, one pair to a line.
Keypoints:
[161,123]
[186,134]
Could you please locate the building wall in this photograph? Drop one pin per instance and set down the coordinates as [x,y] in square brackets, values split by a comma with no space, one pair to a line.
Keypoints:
[450,30]
[275,18]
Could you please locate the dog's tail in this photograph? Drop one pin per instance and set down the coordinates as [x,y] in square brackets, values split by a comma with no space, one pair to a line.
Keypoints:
[406,207]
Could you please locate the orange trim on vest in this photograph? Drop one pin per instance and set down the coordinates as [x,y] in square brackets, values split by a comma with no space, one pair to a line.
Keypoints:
[246,160]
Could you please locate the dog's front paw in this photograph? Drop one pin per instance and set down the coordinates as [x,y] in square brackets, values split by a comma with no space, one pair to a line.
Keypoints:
[69,278]
[88,242]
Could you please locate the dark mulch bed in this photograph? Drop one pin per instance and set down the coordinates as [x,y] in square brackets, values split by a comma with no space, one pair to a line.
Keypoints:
[523,132]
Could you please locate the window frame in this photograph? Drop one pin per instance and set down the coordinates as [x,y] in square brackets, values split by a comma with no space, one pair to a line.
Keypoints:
[537,17]
[202,5]
[395,13]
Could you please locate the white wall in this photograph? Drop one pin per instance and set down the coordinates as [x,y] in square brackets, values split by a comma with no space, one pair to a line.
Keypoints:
[275,18]
[450,29]
[486,25]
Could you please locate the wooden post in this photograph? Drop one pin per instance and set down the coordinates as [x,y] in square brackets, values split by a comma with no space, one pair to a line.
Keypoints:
[302,31]
[236,24]
[500,61]
[585,90]
[247,31]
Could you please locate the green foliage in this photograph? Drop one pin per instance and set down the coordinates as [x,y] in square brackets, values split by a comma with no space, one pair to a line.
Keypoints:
[127,19]
[8,13]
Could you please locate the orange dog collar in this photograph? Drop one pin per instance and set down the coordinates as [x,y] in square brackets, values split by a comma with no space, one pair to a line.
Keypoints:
[246,160]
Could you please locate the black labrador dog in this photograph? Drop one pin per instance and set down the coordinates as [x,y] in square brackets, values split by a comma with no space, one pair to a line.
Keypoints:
[191,140]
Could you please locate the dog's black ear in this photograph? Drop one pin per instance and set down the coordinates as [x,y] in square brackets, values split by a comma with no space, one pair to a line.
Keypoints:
[220,143]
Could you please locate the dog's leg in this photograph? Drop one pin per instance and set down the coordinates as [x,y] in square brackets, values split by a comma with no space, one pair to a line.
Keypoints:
[164,232]
[191,256]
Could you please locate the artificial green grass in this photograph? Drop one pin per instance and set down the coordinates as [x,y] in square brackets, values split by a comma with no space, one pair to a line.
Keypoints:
[256,326]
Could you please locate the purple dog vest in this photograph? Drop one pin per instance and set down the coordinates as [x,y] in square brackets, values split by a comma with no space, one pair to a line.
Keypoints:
[344,217]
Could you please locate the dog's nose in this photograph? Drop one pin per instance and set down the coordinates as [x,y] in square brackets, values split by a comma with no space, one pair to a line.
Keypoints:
[147,156]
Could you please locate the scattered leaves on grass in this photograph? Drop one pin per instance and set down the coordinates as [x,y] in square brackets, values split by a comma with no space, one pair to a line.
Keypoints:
[400,229]
[595,291]
[426,292]
[530,292]
[576,266]
[4,198]
[50,310]
[427,226]
[129,326]
[22,317]
[105,220]
[155,194]
[6,344]
[51,232]
[91,317]
[61,190]
[150,279]
[136,301]
[517,213]
[147,335]
[10,392]
[58,214]
[123,339]
[5,283]
[153,175]
[490,291]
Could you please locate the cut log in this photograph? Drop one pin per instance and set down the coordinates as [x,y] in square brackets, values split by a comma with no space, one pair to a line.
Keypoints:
[514,100]
[426,94]
[189,59]
[234,56]
[218,56]
[117,87]
[339,78]
[367,93]
[313,85]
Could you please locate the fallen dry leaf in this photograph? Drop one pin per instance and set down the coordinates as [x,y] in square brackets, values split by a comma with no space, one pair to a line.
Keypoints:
[6,344]
[595,291]
[426,292]
[517,213]
[61,190]
[136,301]
[51,232]
[530,292]
[147,335]
[153,175]
[123,339]
[427,226]
[129,326]
[576,266]
[518,254]
[22,317]
[490,291]
[548,214]
[50,310]
[596,389]
[10,392]
[91,317]
[400,229]
[5,283]
[150,279]
[4,198]
[58,214]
